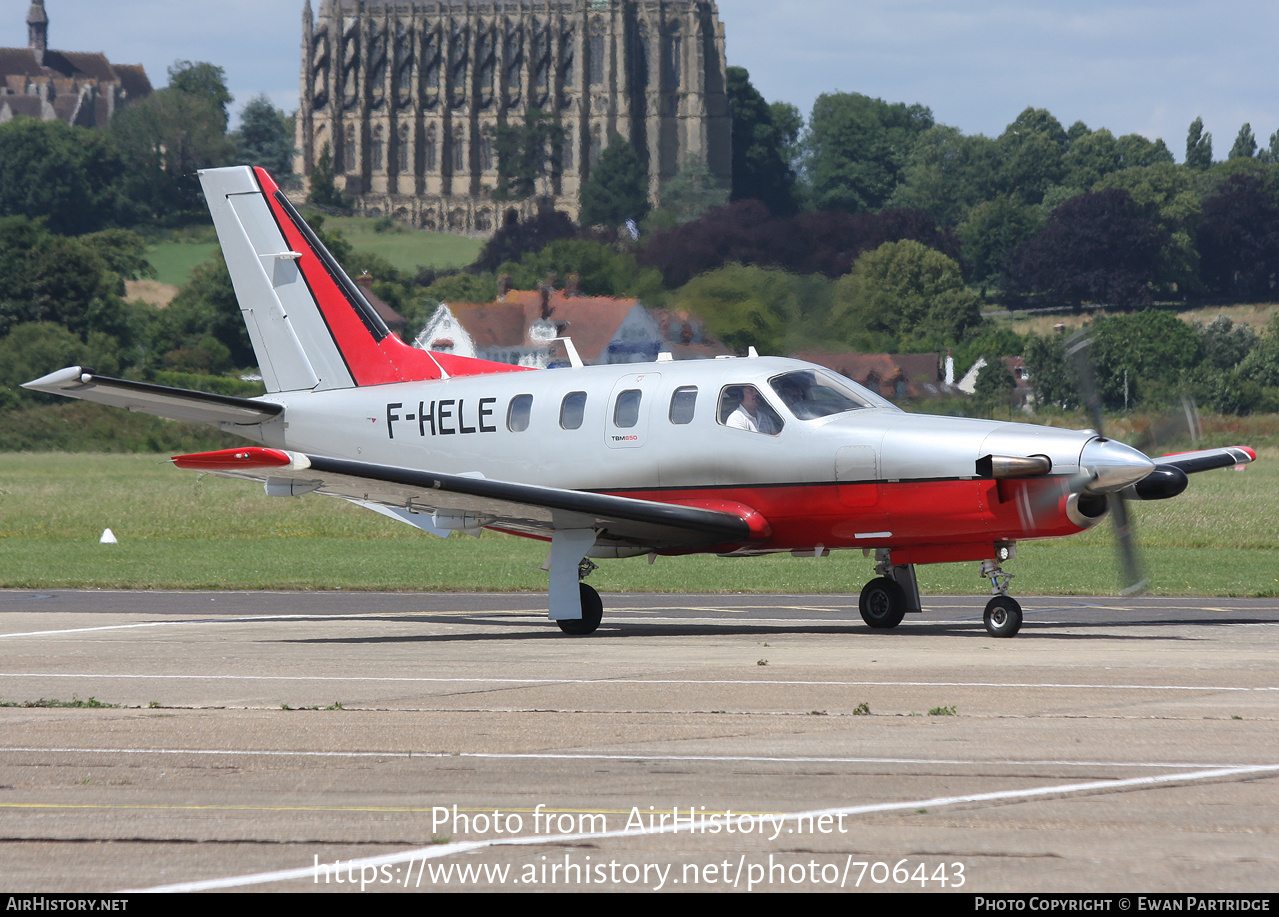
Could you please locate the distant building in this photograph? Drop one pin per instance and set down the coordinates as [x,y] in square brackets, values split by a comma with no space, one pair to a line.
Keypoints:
[77,88]
[406,95]
[522,328]
[892,375]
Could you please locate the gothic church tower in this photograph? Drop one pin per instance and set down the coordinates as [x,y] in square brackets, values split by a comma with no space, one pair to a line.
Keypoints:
[406,93]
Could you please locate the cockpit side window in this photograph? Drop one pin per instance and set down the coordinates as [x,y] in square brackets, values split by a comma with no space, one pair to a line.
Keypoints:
[811,394]
[742,407]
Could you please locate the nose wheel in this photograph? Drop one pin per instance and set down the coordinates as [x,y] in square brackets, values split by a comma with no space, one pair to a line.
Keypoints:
[1003,616]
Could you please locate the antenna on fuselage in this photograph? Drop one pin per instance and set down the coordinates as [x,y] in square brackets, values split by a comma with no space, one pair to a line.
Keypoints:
[574,360]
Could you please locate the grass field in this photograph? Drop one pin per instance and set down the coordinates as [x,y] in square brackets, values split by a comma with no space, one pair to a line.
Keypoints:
[181,531]
[407,249]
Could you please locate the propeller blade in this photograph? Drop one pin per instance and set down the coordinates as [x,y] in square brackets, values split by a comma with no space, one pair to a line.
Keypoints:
[1134,581]
[1125,538]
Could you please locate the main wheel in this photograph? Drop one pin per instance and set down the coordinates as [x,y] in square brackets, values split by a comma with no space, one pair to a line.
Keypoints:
[1003,616]
[592,614]
[882,603]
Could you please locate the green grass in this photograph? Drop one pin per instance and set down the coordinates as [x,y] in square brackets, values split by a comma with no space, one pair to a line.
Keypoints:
[407,249]
[182,531]
[174,261]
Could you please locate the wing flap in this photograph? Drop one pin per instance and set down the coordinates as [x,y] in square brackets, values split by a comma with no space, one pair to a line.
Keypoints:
[163,401]
[465,503]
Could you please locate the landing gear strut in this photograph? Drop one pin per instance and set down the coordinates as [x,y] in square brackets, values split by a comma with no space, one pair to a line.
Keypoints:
[575,606]
[1003,613]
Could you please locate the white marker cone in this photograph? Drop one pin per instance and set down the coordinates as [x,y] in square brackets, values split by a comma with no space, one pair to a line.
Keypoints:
[108,537]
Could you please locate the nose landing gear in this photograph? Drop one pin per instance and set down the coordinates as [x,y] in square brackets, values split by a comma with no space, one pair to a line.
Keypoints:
[1003,613]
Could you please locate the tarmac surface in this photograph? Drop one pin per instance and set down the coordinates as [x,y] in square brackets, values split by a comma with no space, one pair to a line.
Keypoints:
[409,742]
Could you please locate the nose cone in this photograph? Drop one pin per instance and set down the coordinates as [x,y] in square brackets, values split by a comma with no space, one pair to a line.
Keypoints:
[1114,465]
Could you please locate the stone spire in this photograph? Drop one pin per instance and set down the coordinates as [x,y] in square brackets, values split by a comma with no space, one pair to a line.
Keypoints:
[38,30]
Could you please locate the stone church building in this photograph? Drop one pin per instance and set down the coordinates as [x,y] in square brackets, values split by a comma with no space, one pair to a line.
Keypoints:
[79,88]
[405,94]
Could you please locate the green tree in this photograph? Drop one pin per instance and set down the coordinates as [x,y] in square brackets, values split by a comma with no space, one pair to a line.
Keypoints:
[947,174]
[857,149]
[165,140]
[264,138]
[910,291]
[742,305]
[993,232]
[1270,155]
[1166,194]
[994,386]
[617,189]
[203,80]
[1131,350]
[601,271]
[323,191]
[692,193]
[1090,157]
[205,310]
[1052,374]
[761,169]
[527,154]
[1198,147]
[1033,148]
[50,278]
[1245,145]
[68,175]
[32,349]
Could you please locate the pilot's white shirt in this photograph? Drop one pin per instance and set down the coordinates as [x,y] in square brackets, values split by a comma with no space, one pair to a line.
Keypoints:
[741,419]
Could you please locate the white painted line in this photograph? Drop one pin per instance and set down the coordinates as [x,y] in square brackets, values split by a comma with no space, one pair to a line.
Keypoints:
[443,850]
[622,680]
[582,756]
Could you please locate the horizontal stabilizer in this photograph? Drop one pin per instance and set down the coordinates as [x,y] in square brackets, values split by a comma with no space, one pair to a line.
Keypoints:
[162,401]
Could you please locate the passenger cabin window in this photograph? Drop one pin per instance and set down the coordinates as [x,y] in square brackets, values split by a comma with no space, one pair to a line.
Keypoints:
[742,407]
[572,410]
[518,412]
[683,404]
[810,394]
[627,410]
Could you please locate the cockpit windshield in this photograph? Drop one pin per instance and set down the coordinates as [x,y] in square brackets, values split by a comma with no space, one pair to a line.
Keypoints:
[811,394]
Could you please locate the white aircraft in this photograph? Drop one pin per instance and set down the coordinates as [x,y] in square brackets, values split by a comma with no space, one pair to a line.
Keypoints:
[732,457]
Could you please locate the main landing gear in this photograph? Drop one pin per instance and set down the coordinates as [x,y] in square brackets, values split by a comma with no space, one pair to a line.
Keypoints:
[592,613]
[886,599]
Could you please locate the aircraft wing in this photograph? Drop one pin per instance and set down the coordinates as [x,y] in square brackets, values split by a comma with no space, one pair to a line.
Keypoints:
[1208,459]
[163,401]
[458,502]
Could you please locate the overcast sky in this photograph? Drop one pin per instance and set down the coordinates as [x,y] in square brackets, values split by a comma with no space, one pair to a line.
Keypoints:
[1133,66]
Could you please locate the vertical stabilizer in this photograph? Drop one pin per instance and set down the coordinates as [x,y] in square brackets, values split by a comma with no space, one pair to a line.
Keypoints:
[311,327]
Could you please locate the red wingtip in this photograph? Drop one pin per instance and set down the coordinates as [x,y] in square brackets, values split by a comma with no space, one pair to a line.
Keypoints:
[245,459]
[1252,454]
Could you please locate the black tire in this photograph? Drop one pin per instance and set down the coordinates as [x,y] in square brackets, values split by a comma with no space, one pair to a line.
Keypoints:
[1003,616]
[592,614]
[882,603]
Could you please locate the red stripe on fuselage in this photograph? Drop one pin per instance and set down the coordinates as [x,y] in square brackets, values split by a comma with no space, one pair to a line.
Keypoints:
[899,515]
[371,362]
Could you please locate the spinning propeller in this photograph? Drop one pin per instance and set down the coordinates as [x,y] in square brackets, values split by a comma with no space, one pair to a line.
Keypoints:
[1097,463]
